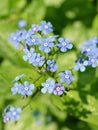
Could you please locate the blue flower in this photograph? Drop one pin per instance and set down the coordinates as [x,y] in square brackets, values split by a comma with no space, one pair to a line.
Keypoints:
[35,28]
[46,44]
[18,37]
[58,89]
[39,60]
[81,64]
[14,113]
[46,27]
[32,40]
[93,61]
[17,78]
[6,118]
[48,86]
[14,39]
[11,114]
[88,46]
[27,89]
[64,44]
[22,23]
[17,88]
[51,65]
[30,55]
[66,76]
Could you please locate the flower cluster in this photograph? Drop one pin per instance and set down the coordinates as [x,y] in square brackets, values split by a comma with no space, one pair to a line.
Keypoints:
[89,54]
[38,42]
[40,48]
[11,113]
[24,89]
[52,86]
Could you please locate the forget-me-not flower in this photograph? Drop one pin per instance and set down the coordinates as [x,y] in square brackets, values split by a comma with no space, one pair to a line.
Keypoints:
[35,28]
[51,65]
[17,78]
[64,44]
[46,27]
[93,61]
[11,114]
[80,64]
[17,88]
[18,37]
[14,113]
[32,40]
[29,55]
[27,89]
[46,44]
[66,76]
[58,89]
[38,60]
[48,86]
[22,23]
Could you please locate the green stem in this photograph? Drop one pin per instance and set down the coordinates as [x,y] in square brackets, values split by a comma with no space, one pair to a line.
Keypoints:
[33,96]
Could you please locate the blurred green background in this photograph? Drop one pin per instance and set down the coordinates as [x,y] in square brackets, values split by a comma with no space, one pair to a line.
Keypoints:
[75,19]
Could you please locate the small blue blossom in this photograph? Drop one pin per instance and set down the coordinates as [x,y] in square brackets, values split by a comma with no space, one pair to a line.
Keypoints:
[46,27]
[46,44]
[27,89]
[81,64]
[93,61]
[11,114]
[66,76]
[64,44]
[30,55]
[6,118]
[18,37]
[88,46]
[17,78]
[14,113]
[22,23]
[17,88]
[34,29]
[58,89]
[48,86]
[14,39]
[51,65]
[39,60]
[32,40]
[5,115]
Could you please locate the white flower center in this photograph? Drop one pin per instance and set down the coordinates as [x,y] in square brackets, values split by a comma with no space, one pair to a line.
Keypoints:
[58,88]
[26,88]
[88,49]
[92,60]
[33,40]
[45,44]
[37,59]
[29,55]
[34,28]
[7,118]
[46,26]
[16,88]
[51,65]
[14,113]
[47,85]
[66,76]
[14,38]
[64,43]
[80,64]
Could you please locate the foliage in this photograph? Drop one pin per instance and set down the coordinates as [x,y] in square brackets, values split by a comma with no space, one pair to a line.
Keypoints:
[73,19]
